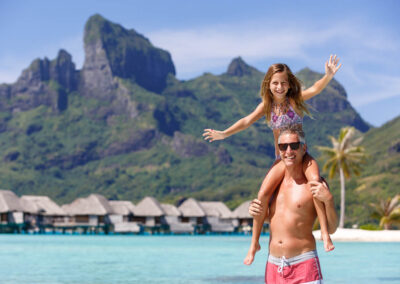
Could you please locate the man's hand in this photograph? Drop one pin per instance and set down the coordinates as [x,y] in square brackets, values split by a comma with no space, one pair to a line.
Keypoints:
[255,208]
[320,191]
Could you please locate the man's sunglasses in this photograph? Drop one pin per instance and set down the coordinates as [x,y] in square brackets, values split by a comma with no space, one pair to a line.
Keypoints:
[293,146]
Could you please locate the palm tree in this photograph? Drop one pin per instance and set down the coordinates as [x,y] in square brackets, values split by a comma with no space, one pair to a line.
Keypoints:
[344,157]
[387,212]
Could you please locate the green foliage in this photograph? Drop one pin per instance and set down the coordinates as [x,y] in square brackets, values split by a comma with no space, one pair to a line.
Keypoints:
[379,177]
[370,227]
[64,154]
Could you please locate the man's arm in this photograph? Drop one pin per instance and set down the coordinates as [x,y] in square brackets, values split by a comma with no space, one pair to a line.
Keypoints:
[321,192]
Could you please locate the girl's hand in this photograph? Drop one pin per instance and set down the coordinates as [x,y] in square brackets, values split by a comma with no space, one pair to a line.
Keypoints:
[320,191]
[331,66]
[212,135]
[255,208]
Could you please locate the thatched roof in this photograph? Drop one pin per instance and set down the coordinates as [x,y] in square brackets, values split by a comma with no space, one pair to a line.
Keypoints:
[191,208]
[94,204]
[170,210]
[9,202]
[242,211]
[216,208]
[123,208]
[149,207]
[29,206]
[43,205]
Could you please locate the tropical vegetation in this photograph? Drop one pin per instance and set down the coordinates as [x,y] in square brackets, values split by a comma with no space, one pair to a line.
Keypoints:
[343,158]
[387,212]
[128,141]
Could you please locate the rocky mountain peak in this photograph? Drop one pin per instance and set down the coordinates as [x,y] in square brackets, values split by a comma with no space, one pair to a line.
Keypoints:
[111,50]
[44,82]
[61,70]
[239,68]
[308,77]
[333,99]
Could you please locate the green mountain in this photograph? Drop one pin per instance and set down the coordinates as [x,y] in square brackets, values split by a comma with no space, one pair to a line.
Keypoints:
[380,178]
[125,127]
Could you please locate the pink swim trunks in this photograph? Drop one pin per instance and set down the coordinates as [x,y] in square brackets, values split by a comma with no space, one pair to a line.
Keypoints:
[304,269]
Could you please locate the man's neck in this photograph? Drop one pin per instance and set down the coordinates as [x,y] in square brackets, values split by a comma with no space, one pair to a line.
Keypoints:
[295,173]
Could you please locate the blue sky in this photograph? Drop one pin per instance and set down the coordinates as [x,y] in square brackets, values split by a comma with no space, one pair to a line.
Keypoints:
[204,36]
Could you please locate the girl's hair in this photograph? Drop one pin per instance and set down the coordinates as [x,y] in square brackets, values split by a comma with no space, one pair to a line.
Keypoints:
[294,91]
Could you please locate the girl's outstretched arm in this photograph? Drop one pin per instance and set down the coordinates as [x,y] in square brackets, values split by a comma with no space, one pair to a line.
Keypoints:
[331,67]
[212,135]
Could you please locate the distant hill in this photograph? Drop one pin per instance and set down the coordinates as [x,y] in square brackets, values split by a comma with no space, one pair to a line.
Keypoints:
[380,177]
[124,126]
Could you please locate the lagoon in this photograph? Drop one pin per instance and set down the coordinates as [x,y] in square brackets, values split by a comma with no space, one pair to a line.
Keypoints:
[174,259]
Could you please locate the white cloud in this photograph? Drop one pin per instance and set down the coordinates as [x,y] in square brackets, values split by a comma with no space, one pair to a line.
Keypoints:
[196,50]
[369,72]
[193,50]
[375,88]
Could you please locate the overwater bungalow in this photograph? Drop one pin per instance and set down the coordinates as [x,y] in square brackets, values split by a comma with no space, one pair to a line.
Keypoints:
[193,213]
[241,213]
[218,216]
[124,209]
[44,212]
[149,213]
[90,213]
[11,212]
[173,219]
[122,218]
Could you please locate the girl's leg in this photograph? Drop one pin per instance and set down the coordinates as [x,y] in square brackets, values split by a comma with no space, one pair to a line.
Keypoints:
[311,171]
[270,183]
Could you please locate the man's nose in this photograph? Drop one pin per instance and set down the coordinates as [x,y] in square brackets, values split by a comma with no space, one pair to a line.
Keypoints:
[289,148]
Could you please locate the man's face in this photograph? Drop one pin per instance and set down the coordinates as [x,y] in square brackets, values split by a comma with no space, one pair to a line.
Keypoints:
[291,156]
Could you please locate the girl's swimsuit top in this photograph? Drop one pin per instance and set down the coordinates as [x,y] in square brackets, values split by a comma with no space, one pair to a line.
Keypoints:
[289,118]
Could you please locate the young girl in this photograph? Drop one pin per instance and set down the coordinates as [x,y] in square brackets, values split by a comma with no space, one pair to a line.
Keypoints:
[282,104]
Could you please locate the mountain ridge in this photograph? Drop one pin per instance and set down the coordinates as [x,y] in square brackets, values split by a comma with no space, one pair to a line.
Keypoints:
[101,129]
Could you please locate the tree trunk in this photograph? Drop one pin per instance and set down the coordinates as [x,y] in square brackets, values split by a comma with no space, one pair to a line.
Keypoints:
[342,197]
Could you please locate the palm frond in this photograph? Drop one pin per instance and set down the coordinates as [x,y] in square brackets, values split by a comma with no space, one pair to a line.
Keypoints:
[375,215]
[393,203]
[333,170]
[358,140]
[384,220]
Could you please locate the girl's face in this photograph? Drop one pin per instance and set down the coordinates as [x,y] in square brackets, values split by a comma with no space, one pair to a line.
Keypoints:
[279,85]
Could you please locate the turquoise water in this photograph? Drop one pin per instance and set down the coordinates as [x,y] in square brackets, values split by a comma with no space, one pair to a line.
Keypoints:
[174,259]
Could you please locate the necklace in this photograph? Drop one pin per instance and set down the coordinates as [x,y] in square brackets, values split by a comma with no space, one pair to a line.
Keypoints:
[281,108]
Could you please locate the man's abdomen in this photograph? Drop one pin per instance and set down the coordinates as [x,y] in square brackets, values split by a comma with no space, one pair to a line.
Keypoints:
[286,239]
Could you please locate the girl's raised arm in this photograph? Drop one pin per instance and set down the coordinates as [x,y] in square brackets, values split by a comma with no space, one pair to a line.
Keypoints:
[212,135]
[331,67]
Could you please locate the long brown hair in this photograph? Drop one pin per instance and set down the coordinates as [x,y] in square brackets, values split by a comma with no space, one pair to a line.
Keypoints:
[293,93]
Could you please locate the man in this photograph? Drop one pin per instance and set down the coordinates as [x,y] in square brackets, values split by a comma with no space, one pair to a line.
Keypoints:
[292,250]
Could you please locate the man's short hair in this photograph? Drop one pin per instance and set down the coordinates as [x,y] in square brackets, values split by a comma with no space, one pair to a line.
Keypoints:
[293,129]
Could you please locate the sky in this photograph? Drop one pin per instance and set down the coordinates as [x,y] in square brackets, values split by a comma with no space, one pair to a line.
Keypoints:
[205,35]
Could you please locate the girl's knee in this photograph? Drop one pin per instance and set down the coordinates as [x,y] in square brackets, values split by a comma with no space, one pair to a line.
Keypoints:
[310,169]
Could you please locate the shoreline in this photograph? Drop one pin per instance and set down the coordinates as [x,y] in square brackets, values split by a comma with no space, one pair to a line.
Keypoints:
[358,235]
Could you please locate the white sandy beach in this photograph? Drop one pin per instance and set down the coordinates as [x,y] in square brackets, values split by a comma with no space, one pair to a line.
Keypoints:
[358,235]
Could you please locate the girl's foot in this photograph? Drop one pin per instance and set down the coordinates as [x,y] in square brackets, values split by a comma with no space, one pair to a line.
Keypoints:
[328,245]
[251,253]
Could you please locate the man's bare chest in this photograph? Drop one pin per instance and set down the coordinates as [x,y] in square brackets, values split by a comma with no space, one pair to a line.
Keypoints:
[295,198]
